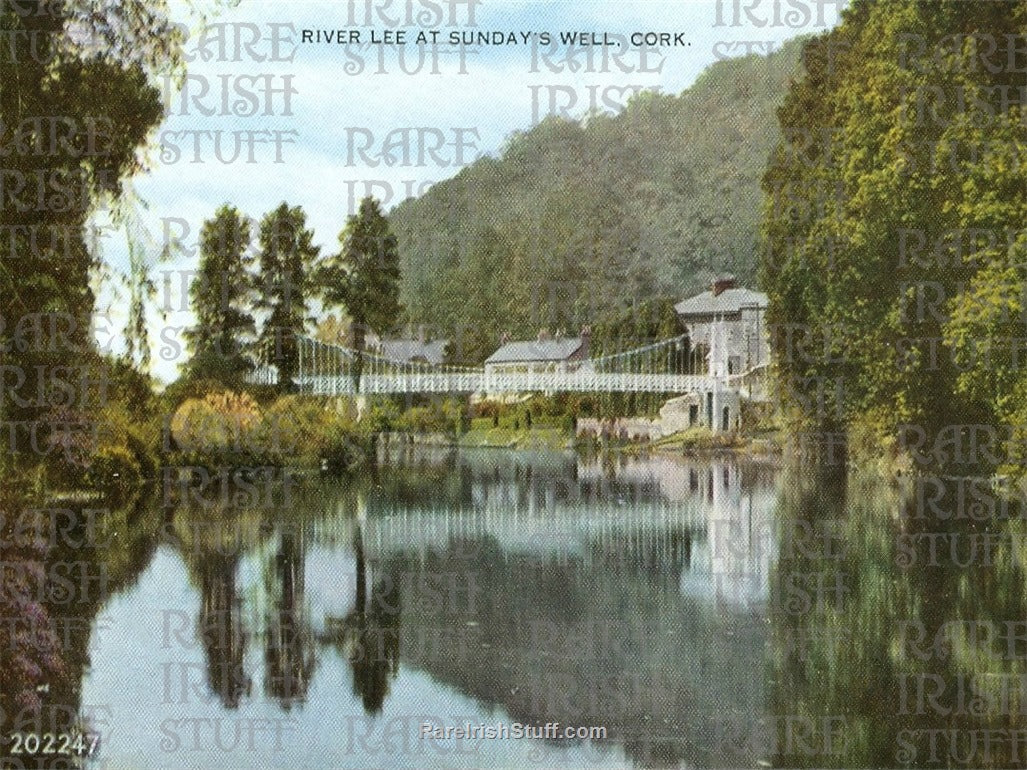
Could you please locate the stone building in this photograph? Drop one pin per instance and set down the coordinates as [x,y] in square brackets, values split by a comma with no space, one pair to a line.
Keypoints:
[728,323]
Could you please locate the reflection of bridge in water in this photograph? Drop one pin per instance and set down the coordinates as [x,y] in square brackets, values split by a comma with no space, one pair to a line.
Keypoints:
[592,600]
[326,369]
[559,529]
[698,522]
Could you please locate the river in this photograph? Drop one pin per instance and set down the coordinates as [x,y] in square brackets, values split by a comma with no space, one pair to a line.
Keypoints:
[709,612]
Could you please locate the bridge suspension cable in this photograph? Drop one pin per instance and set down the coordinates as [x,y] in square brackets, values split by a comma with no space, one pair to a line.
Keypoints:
[326,368]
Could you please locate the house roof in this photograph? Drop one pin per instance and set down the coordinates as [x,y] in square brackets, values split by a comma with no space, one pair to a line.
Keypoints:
[536,350]
[728,301]
[433,352]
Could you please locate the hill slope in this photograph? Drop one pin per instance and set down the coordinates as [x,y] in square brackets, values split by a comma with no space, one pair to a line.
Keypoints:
[576,222]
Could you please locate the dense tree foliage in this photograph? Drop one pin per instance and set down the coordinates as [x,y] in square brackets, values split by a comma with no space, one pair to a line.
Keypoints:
[287,258]
[77,100]
[364,276]
[894,216]
[222,296]
[576,221]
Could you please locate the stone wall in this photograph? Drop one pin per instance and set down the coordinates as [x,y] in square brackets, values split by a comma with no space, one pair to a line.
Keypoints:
[624,428]
[676,415]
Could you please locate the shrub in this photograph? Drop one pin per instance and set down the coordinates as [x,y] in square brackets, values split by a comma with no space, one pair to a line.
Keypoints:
[217,423]
[30,651]
[382,415]
[420,419]
[185,388]
[69,445]
[117,427]
[308,427]
[488,409]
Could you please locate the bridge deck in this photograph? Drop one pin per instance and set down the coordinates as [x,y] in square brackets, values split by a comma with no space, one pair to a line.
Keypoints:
[327,370]
[468,382]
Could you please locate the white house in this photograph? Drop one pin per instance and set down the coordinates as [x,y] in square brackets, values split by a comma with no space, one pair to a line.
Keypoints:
[544,354]
[728,322]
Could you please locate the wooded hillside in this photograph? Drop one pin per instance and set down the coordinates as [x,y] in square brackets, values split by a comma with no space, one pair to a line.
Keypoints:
[575,222]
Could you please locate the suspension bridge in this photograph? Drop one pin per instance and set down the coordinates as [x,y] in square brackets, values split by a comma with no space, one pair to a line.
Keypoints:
[326,369]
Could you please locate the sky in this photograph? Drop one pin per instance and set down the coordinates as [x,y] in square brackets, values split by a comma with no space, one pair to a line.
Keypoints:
[331,123]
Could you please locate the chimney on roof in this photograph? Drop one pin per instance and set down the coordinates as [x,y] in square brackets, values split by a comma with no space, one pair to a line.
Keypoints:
[723,283]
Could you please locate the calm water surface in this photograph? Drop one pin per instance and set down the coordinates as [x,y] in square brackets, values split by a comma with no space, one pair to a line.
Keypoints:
[715,613]
[490,588]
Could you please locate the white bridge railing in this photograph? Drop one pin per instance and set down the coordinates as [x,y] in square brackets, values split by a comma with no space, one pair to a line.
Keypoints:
[466,382]
[327,370]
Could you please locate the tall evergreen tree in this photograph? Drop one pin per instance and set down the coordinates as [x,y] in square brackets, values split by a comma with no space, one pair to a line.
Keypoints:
[287,255]
[221,296]
[364,276]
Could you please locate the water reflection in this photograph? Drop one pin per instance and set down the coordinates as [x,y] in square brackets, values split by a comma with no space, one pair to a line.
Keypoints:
[707,613]
[542,587]
[289,657]
[221,627]
[368,639]
[495,586]
[909,648]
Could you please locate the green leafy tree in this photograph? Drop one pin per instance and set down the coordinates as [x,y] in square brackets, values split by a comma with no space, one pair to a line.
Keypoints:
[364,276]
[287,256]
[221,296]
[77,103]
[101,76]
[888,204]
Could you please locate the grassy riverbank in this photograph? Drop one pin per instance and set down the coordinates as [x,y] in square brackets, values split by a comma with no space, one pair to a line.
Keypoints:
[523,438]
[701,440]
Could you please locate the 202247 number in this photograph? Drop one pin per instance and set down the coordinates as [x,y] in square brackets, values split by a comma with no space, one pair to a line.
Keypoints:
[66,744]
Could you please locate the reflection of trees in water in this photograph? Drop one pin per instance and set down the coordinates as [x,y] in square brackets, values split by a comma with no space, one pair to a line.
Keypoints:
[369,635]
[45,635]
[213,540]
[579,640]
[221,627]
[288,648]
[375,656]
[661,557]
[213,554]
[908,666]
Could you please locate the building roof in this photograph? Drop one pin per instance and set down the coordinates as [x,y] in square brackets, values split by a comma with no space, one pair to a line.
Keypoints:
[536,350]
[433,352]
[728,301]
